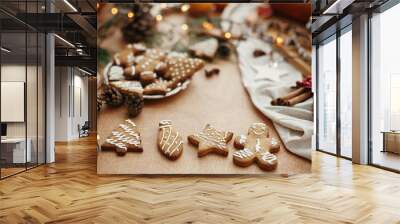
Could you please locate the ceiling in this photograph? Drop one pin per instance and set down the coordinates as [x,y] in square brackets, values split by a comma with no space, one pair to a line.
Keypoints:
[72,20]
[332,15]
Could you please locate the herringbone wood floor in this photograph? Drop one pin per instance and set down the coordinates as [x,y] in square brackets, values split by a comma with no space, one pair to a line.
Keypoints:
[69,191]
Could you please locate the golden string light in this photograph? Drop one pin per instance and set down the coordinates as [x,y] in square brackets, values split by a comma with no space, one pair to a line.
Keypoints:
[227,35]
[184,27]
[159,18]
[185,7]
[114,11]
[131,15]
[279,40]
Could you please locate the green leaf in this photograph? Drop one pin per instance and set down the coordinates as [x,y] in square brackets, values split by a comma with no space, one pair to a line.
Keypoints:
[102,56]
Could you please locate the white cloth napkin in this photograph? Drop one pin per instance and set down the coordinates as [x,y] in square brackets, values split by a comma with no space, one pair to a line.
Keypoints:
[264,82]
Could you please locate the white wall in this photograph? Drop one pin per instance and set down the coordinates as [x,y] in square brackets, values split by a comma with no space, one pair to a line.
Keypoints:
[62,81]
[34,125]
[70,83]
[12,73]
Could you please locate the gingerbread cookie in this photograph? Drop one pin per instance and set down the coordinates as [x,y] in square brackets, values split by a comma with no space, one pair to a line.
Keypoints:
[257,147]
[128,87]
[137,48]
[170,142]
[125,57]
[205,49]
[130,73]
[211,140]
[180,68]
[161,68]
[116,73]
[123,139]
[147,77]
[159,87]
[149,60]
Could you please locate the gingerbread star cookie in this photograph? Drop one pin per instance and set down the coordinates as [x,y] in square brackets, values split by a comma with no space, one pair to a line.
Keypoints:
[257,147]
[125,138]
[170,141]
[211,140]
[159,87]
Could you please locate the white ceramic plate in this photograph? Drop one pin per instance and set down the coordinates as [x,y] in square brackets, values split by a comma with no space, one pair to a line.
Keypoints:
[179,88]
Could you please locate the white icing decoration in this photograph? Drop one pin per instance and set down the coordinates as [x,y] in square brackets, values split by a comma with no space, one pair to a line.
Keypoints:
[174,145]
[242,139]
[212,135]
[244,153]
[273,142]
[258,145]
[116,143]
[127,136]
[268,157]
[259,128]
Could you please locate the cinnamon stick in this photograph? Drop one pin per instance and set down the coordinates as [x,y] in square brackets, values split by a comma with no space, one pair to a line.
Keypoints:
[298,99]
[290,95]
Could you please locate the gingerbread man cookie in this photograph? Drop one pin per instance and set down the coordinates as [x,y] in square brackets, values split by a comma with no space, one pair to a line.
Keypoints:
[257,147]
[170,141]
[211,140]
[123,139]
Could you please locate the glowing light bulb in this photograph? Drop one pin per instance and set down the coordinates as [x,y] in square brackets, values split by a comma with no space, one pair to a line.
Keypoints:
[185,27]
[114,11]
[279,40]
[185,7]
[159,18]
[227,35]
[131,15]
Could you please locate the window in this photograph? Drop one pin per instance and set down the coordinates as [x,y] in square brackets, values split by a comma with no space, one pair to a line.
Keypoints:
[22,78]
[385,89]
[327,96]
[346,93]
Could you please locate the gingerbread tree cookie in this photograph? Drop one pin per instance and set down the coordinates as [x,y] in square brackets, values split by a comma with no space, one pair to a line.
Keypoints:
[170,141]
[257,147]
[123,139]
[180,68]
[211,140]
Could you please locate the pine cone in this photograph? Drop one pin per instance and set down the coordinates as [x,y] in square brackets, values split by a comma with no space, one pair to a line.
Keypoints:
[135,104]
[99,103]
[141,25]
[112,97]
